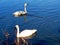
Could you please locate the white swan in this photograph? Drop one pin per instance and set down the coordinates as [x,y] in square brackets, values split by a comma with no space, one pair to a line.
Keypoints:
[24,34]
[19,13]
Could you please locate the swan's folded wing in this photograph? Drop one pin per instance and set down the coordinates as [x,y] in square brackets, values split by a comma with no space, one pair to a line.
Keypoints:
[27,33]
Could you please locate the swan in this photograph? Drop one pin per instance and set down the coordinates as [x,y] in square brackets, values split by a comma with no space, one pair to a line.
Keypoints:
[20,13]
[24,34]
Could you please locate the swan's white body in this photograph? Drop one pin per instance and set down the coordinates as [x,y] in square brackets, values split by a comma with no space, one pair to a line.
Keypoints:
[25,33]
[19,13]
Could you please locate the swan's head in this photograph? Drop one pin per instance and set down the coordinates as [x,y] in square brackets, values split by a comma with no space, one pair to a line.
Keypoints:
[17,26]
[25,4]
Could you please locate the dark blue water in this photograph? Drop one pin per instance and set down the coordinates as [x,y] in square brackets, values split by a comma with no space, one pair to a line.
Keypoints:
[43,15]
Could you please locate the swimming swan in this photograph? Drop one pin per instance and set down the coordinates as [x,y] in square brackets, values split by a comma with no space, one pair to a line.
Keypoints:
[19,13]
[24,34]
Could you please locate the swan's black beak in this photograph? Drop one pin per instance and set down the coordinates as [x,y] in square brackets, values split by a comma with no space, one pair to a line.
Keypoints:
[27,4]
[15,28]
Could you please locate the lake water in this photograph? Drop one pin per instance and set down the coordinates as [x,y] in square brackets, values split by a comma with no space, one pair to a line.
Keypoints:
[43,15]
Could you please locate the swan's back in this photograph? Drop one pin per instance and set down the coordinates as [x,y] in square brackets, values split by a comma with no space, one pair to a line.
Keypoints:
[22,12]
[27,33]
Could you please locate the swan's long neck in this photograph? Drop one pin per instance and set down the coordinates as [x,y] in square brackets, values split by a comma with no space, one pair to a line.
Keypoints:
[17,27]
[25,10]
[17,31]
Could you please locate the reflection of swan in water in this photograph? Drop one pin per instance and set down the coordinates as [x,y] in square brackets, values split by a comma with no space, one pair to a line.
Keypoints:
[19,13]
[24,34]
[7,35]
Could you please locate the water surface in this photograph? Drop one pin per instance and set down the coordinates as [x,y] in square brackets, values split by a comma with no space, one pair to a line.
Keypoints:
[43,15]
